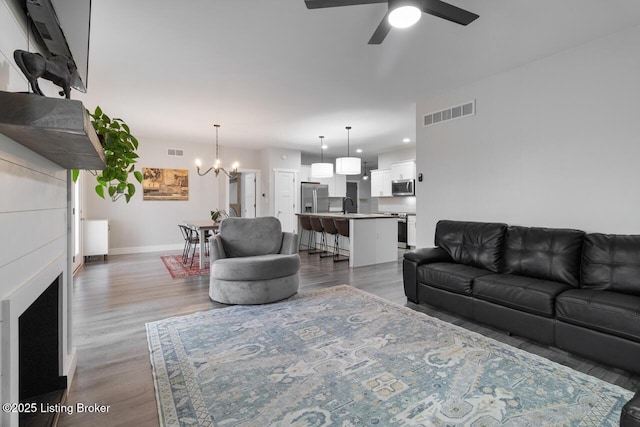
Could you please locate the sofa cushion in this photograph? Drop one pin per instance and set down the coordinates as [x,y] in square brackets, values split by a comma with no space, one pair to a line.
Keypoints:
[608,312]
[448,276]
[611,263]
[251,236]
[259,267]
[478,244]
[527,294]
[544,253]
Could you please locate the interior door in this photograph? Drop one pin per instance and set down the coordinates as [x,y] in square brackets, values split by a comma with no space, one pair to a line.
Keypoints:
[285,202]
[76,223]
[249,195]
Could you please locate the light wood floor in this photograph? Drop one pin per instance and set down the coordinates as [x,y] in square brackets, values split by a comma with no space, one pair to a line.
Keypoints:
[114,299]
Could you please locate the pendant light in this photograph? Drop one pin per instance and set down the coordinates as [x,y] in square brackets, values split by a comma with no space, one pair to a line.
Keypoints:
[322,169]
[364,175]
[348,165]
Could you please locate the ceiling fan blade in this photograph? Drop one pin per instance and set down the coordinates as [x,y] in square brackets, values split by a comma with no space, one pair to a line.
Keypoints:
[318,4]
[448,11]
[381,32]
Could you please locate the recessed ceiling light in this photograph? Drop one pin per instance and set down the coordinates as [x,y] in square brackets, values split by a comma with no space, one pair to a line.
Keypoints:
[359,150]
[406,140]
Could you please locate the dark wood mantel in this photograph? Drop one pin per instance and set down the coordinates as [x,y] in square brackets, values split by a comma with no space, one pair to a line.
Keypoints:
[56,128]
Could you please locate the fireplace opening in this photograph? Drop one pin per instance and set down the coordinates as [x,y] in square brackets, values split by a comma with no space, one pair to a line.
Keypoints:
[40,381]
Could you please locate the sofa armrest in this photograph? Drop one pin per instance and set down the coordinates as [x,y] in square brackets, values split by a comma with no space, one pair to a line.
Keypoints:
[630,416]
[216,250]
[412,260]
[289,243]
[427,255]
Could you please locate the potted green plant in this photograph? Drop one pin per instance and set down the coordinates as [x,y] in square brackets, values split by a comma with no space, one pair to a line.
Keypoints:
[216,215]
[120,153]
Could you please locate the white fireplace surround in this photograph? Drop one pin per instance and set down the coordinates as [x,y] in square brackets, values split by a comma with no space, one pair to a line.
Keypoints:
[34,223]
[13,306]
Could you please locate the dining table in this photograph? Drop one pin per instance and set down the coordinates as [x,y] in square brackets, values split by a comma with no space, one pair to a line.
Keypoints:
[201,226]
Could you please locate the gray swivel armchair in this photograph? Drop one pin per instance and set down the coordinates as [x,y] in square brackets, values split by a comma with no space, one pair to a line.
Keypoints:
[253,262]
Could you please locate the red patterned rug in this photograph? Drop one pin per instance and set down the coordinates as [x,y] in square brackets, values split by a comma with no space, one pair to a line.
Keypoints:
[178,270]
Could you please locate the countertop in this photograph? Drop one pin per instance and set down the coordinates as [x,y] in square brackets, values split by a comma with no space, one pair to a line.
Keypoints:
[347,215]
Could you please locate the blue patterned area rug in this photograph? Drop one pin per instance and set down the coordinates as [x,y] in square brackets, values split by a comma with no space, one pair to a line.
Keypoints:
[343,357]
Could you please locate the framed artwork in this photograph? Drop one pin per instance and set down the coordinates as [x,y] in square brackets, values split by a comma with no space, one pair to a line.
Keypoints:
[165,184]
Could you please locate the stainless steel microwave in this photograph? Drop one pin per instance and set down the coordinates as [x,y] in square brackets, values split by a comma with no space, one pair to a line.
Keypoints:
[404,187]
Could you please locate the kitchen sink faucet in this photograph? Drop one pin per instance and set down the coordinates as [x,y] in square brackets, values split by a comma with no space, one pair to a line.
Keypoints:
[344,204]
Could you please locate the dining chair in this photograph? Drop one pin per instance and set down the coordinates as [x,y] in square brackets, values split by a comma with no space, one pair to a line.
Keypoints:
[191,240]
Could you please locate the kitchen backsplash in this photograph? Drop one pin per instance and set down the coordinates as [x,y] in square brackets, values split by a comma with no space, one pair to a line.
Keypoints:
[397,204]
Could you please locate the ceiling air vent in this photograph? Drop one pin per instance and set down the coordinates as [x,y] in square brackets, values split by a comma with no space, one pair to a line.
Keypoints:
[451,113]
[175,152]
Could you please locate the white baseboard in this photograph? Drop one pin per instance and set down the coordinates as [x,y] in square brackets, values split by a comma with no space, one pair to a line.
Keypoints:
[145,249]
[70,369]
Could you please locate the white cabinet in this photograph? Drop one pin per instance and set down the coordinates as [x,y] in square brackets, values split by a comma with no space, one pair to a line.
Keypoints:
[337,185]
[403,170]
[411,230]
[95,237]
[381,183]
[305,173]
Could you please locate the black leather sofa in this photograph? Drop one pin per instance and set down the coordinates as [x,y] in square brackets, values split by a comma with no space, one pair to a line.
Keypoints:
[579,292]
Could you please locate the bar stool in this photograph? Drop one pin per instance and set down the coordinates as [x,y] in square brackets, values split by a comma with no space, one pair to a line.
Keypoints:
[330,228]
[316,226]
[342,225]
[305,224]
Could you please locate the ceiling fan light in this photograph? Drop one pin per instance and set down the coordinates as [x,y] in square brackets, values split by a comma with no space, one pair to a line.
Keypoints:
[404,16]
[321,170]
[348,166]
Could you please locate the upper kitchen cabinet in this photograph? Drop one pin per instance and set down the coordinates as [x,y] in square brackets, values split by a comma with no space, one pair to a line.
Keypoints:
[337,183]
[305,173]
[381,183]
[403,170]
[340,186]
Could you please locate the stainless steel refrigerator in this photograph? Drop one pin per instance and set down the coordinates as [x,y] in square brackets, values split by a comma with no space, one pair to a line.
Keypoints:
[315,198]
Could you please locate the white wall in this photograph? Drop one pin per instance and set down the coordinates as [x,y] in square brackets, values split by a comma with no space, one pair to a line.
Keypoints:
[146,226]
[554,143]
[270,159]
[33,224]
[385,159]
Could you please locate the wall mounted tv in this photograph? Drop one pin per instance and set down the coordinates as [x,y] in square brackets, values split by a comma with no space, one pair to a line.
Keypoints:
[62,27]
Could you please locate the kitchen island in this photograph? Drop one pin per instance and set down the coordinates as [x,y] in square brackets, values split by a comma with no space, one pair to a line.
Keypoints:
[373,238]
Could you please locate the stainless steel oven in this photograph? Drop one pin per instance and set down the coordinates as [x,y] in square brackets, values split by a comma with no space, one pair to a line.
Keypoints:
[402,232]
[402,228]
[403,187]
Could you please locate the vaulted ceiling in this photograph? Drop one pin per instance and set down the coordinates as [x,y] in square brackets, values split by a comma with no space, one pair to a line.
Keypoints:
[274,73]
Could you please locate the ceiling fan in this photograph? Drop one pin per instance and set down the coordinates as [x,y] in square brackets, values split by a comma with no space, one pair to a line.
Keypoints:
[403,13]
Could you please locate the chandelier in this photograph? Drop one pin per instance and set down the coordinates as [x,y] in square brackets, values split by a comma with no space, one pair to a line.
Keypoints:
[216,168]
